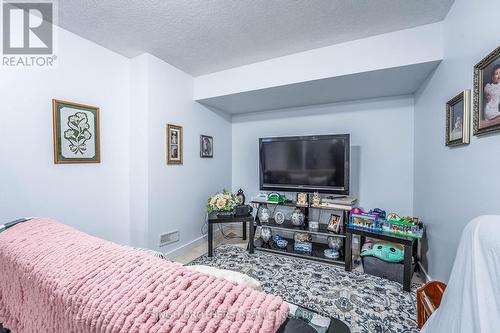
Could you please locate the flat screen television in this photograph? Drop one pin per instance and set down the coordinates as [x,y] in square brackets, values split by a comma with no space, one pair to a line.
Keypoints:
[305,164]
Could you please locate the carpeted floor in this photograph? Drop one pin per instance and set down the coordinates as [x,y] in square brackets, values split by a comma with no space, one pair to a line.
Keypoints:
[366,303]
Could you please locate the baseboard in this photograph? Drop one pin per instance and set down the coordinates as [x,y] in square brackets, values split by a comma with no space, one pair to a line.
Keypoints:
[195,242]
[427,277]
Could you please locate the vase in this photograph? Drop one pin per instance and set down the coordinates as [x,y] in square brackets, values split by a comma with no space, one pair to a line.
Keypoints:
[334,242]
[264,214]
[297,217]
[265,234]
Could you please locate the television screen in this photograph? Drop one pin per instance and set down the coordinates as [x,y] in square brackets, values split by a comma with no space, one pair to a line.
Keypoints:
[307,163]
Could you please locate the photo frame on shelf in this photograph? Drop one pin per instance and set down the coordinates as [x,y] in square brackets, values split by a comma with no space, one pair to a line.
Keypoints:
[206,146]
[487,94]
[174,144]
[458,119]
[334,223]
[76,133]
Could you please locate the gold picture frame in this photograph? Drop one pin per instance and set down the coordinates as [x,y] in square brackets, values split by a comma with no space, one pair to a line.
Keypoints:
[174,144]
[458,119]
[76,132]
[487,105]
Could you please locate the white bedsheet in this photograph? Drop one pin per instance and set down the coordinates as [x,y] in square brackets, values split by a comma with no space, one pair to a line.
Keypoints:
[471,302]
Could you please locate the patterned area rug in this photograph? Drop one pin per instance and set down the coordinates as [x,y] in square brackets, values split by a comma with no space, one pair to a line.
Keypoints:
[364,302]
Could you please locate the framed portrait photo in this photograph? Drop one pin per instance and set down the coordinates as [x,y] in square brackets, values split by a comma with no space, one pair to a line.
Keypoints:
[206,146]
[487,94]
[458,119]
[76,133]
[174,144]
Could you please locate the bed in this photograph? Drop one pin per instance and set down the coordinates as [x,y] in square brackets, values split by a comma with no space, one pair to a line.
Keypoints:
[58,279]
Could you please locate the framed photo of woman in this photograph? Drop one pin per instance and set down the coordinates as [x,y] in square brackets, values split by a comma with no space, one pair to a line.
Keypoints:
[487,94]
[458,119]
[206,146]
[174,144]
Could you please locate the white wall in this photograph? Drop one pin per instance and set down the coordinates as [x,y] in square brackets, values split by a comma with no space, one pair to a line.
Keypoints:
[381,140]
[177,194]
[91,197]
[139,152]
[395,49]
[452,186]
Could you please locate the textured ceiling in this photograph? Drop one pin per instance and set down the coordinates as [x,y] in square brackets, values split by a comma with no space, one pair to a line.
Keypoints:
[204,36]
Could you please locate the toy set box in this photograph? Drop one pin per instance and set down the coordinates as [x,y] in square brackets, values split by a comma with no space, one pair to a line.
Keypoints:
[367,220]
[375,220]
[406,226]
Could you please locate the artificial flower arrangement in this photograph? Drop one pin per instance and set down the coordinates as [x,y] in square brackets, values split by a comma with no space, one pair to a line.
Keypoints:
[222,202]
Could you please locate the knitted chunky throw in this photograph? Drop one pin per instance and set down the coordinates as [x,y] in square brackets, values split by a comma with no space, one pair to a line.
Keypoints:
[54,278]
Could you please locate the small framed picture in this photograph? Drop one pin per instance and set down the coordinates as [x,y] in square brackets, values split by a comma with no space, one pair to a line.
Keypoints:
[174,144]
[487,94]
[206,146]
[458,119]
[76,133]
[334,223]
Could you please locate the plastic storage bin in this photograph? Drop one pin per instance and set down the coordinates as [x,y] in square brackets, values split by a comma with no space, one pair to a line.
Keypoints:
[387,270]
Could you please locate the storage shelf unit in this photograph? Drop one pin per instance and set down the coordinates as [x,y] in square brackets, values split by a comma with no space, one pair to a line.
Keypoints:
[317,252]
[287,227]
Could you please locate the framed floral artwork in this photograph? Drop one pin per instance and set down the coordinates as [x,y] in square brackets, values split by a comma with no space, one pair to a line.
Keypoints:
[76,133]
[458,119]
[174,144]
[487,94]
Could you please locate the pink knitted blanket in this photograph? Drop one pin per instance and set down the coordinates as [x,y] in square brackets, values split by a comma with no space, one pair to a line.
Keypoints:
[54,278]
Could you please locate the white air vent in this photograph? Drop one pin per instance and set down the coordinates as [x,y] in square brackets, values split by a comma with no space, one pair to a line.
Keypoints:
[169,238]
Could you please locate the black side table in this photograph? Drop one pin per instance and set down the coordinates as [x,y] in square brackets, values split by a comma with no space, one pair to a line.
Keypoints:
[214,219]
[409,243]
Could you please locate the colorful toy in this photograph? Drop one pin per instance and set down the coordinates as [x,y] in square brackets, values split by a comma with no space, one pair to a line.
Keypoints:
[385,251]
[374,220]
[380,212]
[406,226]
[361,219]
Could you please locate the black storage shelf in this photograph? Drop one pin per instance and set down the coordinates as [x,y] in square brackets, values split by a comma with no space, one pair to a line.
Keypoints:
[288,226]
[294,204]
[316,255]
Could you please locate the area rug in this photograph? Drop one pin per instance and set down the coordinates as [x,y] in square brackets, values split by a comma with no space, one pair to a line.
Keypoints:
[364,302]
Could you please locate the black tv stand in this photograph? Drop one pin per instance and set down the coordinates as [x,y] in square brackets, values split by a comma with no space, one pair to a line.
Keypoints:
[318,247]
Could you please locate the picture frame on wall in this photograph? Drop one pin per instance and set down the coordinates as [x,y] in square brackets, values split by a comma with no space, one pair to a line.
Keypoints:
[458,119]
[174,144]
[487,94]
[76,132]
[206,146]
